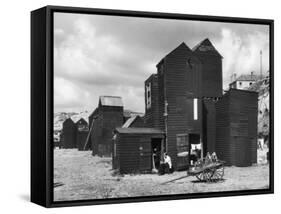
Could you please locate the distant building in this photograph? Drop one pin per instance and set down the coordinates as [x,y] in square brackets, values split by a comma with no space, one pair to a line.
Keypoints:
[106,117]
[82,131]
[244,81]
[68,134]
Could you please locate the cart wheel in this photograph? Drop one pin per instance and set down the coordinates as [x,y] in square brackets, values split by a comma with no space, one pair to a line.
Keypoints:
[200,176]
[218,173]
[206,175]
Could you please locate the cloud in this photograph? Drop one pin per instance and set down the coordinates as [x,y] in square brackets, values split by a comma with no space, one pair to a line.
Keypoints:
[68,95]
[241,53]
[103,55]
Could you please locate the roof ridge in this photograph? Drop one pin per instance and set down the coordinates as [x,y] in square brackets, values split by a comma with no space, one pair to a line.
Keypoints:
[206,40]
[180,45]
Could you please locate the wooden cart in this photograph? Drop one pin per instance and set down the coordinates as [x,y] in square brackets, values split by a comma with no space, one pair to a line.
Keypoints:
[207,170]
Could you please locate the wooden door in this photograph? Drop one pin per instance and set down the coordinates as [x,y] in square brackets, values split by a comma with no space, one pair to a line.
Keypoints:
[145,154]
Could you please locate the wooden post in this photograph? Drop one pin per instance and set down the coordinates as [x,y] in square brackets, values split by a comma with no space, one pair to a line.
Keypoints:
[201,143]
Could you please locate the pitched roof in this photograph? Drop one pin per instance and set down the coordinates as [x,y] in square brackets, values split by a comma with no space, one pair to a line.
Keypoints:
[111,101]
[182,45]
[248,77]
[139,131]
[130,121]
[68,120]
[207,47]
[79,116]
[81,120]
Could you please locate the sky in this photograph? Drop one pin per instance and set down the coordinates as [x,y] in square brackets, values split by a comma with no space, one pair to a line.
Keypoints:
[98,55]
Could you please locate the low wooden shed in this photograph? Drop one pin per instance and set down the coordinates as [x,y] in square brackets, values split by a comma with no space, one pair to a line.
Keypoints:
[132,148]
[236,127]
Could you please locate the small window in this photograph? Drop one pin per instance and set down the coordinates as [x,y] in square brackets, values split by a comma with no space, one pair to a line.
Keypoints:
[240,83]
[195,109]
[148,95]
[182,143]
[250,83]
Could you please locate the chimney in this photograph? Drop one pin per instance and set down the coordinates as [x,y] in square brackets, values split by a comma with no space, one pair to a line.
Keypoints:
[252,73]
[234,75]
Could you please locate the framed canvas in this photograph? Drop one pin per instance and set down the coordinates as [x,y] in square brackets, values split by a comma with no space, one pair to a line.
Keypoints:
[134,106]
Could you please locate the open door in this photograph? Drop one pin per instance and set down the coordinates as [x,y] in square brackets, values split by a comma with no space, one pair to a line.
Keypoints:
[156,148]
[195,148]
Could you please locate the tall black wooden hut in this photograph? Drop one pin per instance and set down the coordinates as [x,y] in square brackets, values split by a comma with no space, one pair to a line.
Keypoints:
[82,131]
[103,121]
[68,134]
[180,96]
[133,149]
[236,122]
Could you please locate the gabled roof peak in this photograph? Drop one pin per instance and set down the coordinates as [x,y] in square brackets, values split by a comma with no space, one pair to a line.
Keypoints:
[206,47]
[182,45]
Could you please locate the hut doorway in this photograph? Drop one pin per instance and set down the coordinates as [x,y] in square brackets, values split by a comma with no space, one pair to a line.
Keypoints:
[195,147]
[156,149]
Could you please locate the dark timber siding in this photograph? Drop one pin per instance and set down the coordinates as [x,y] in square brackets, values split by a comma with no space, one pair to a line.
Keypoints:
[182,83]
[139,122]
[107,119]
[237,127]
[81,134]
[222,129]
[152,113]
[133,152]
[209,126]
[211,75]
[69,134]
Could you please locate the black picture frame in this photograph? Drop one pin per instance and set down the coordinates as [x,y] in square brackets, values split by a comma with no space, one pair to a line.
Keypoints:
[42,73]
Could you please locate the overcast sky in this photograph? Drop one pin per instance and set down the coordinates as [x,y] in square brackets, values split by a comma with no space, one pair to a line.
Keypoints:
[107,55]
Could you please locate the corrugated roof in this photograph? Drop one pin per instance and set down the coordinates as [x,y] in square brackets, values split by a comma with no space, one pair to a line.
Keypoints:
[139,131]
[206,46]
[111,101]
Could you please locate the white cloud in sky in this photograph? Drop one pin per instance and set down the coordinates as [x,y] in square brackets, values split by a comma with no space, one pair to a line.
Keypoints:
[68,95]
[242,53]
[103,55]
